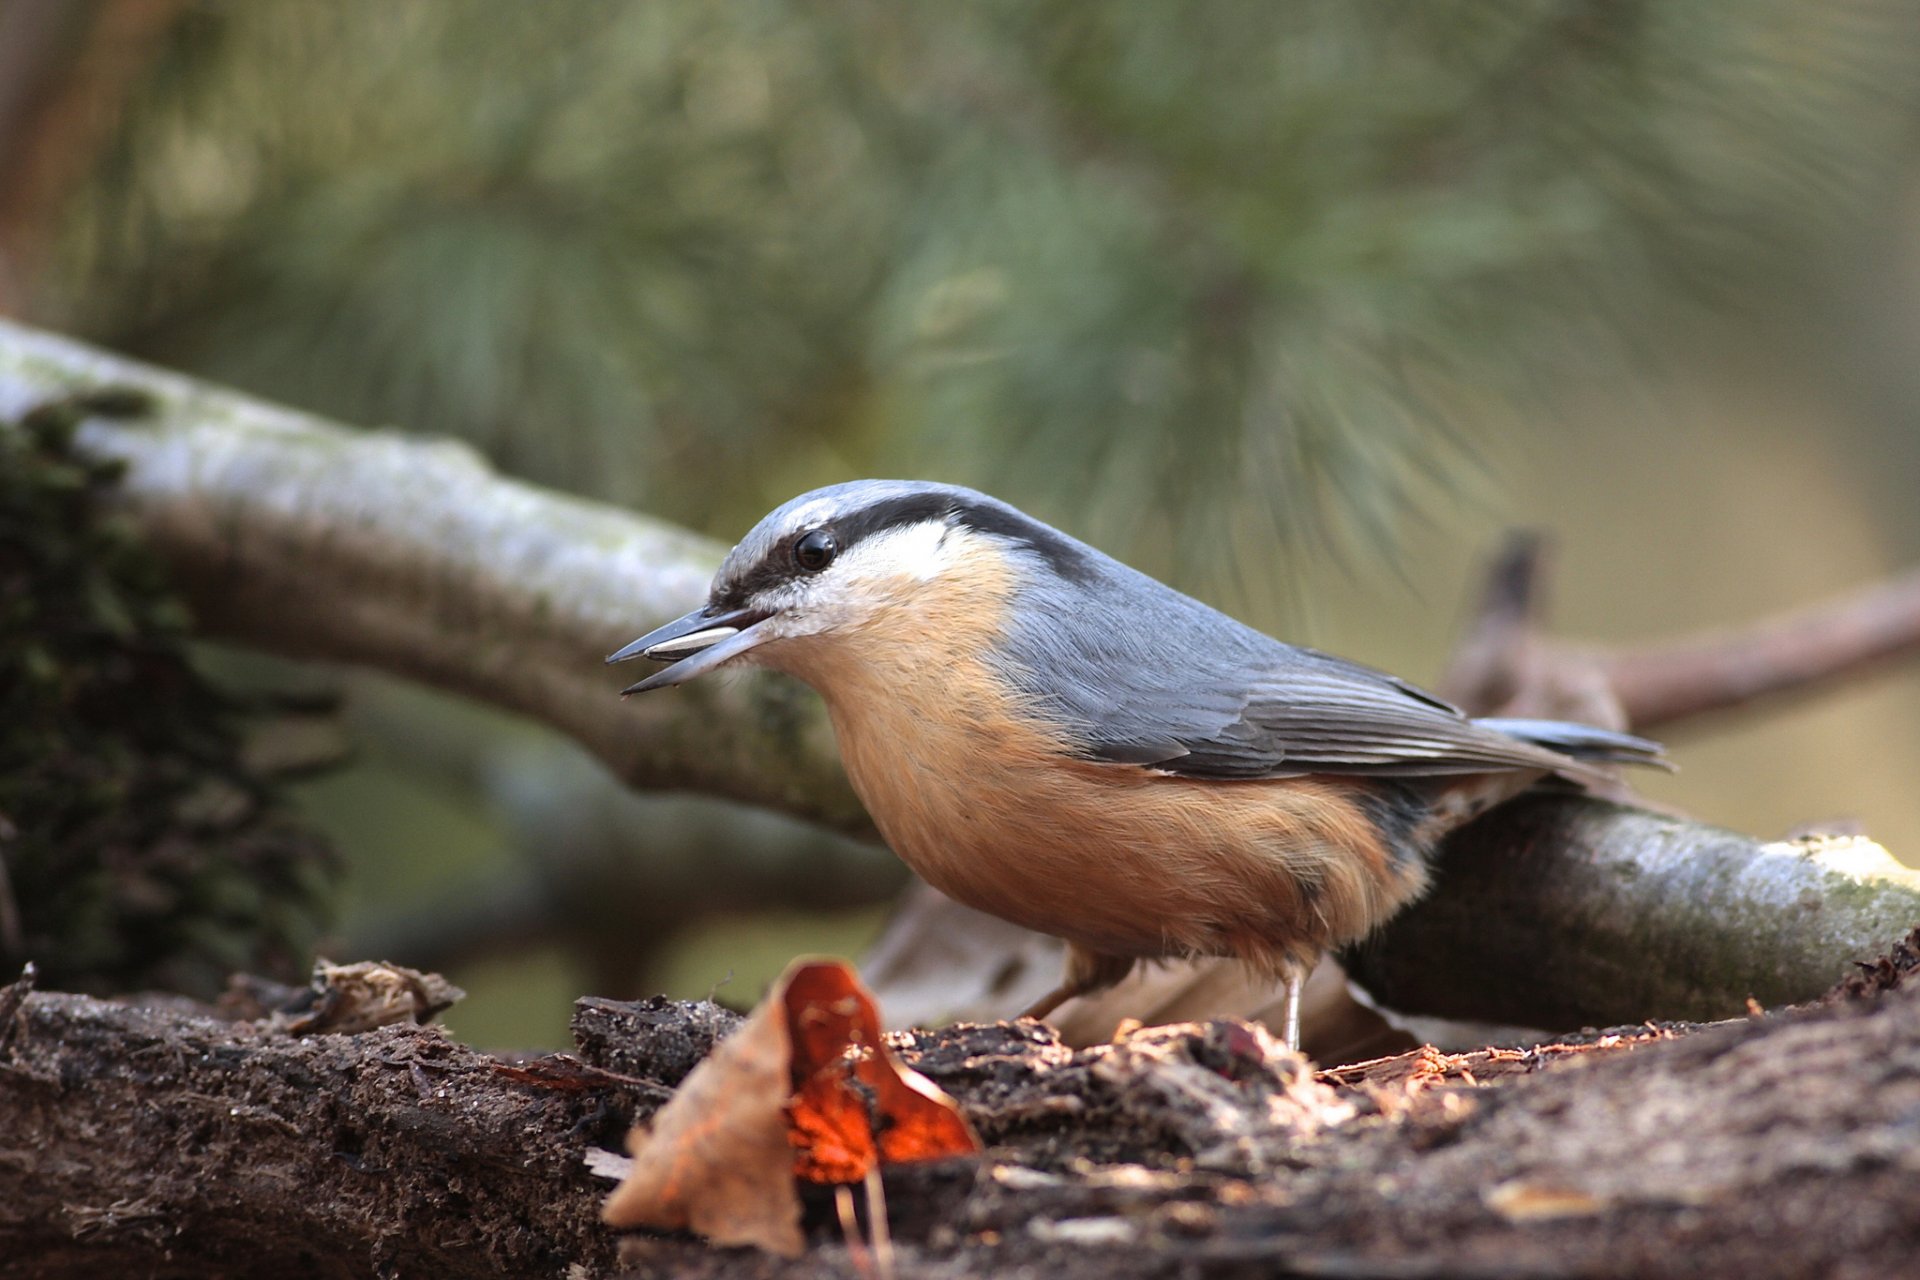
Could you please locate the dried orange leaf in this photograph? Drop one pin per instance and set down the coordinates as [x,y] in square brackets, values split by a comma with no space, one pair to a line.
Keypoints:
[831,1131]
[853,1105]
[716,1159]
[805,1087]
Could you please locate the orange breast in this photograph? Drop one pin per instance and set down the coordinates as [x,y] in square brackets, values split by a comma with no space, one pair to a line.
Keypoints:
[989,806]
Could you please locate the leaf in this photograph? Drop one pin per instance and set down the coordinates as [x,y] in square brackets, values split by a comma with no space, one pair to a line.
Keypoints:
[347,999]
[853,1104]
[806,1087]
[716,1159]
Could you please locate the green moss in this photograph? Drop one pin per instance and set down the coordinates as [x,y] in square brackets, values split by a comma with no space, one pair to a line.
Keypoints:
[138,850]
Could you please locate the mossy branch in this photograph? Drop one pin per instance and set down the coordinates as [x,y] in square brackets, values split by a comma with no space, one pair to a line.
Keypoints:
[295,535]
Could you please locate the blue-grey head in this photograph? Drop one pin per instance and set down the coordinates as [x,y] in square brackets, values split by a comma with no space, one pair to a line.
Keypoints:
[832,560]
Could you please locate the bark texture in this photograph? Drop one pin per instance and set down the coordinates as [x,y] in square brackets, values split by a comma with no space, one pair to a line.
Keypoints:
[143,1141]
[157,1142]
[1608,914]
[295,535]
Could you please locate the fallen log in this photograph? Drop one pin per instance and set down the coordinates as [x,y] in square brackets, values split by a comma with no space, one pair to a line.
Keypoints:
[152,1140]
[145,1141]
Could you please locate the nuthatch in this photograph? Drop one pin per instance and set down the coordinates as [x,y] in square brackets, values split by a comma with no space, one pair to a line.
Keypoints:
[1054,738]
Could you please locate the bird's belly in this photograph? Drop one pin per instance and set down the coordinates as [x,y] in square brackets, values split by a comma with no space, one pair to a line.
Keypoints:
[1120,860]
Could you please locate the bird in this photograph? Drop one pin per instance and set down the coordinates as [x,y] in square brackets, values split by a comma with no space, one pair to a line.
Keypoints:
[1052,737]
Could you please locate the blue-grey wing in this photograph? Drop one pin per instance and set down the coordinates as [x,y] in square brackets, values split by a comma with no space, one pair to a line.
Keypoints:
[1308,713]
[1170,684]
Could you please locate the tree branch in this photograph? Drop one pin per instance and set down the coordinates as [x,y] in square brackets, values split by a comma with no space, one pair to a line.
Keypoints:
[1686,679]
[1610,915]
[292,534]
[1507,665]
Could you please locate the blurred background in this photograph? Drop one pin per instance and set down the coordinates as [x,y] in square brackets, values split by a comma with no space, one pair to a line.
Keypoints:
[1298,306]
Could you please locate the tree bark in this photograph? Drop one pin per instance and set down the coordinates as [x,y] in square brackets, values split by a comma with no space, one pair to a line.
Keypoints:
[1609,915]
[157,1142]
[141,1141]
[295,535]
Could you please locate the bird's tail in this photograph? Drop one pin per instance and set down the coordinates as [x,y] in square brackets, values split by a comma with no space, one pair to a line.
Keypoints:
[1582,741]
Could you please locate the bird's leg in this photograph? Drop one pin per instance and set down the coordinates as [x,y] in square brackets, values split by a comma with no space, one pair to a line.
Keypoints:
[1087,971]
[1290,1034]
[1047,1003]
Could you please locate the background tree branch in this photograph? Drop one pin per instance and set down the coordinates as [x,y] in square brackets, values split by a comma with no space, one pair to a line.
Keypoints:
[1507,664]
[288,533]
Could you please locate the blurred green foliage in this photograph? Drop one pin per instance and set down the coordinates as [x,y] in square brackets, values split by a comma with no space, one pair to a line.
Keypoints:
[1189,276]
[138,848]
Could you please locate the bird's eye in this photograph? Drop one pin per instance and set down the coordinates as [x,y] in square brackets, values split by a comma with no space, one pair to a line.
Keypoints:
[815,550]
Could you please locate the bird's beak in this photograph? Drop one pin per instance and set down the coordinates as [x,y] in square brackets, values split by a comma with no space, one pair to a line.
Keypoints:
[695,645]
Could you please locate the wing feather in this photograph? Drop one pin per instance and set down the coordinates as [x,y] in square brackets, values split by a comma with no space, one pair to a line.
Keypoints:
[1140,675]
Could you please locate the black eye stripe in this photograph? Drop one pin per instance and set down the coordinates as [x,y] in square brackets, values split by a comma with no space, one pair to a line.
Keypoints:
[780,565]
[1067,558]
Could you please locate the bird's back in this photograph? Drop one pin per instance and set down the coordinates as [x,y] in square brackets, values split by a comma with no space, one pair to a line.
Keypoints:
[1139,673]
